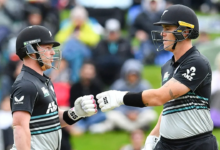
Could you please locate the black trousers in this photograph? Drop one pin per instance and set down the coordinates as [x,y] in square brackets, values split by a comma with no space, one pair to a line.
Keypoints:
[8,138]
[204,141]
[65,142]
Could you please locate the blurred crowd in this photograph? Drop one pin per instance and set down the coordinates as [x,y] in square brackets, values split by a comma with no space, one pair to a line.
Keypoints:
[105,44]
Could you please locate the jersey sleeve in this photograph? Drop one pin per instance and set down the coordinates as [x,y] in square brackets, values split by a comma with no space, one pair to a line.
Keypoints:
[23,96]
[192,73]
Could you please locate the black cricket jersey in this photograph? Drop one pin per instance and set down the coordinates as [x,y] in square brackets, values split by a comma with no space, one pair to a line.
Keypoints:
[35,94]
[189,114]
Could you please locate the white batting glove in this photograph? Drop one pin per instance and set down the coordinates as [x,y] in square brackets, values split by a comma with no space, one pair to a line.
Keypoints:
[151,142]
[110,99]
[84,106]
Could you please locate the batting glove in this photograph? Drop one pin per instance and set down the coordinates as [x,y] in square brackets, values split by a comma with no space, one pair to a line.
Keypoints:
[84,106]
[151,142]
[110,99]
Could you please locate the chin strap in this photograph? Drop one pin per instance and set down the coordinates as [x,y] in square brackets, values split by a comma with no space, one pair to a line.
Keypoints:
[39,62]
[174,45]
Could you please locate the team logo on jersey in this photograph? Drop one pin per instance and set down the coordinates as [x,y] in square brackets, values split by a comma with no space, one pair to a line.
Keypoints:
[19,101]
[51,107]
[51,88]
[166,76]
[189,73]
[45,91]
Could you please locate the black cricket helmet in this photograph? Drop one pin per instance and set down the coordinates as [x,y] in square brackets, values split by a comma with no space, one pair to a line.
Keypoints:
[32,37]
[181,16]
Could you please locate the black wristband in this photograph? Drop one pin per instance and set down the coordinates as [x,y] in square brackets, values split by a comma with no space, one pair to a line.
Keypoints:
[67,119]
[133,99]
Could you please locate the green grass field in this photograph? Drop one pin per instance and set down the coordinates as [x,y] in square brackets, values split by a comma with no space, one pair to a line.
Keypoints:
[115,140]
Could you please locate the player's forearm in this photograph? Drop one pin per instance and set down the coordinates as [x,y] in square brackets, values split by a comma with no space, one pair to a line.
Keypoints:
[153,137]
[22,138]
[152,97]
[62,122]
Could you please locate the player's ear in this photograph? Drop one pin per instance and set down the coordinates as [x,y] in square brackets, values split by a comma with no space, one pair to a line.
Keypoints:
[186,32]
[30,56]
[33,55]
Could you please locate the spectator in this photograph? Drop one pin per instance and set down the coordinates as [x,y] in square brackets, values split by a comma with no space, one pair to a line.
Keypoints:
[6,131]
[43,13]
[126,117]
[104,10]
[11,14]
[137,141]
[62,74]
[208,6]
[34,16]
[139,6]
[79,28]
[111,53]
[133,12]
[131,78]
[141,29]
[4,36]
[11,70]
[62,5]
[86,85]
[75,52]
[144,21]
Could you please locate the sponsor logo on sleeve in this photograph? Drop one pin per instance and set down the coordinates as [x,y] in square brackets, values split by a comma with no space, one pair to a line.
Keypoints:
[19,101]
[189,73]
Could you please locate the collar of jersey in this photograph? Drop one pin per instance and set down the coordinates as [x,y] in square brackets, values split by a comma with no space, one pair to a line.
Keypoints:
[182,58]
[43,78]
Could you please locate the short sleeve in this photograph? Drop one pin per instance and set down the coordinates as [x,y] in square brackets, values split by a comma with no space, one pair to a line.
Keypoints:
[23,96]
[192,72]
